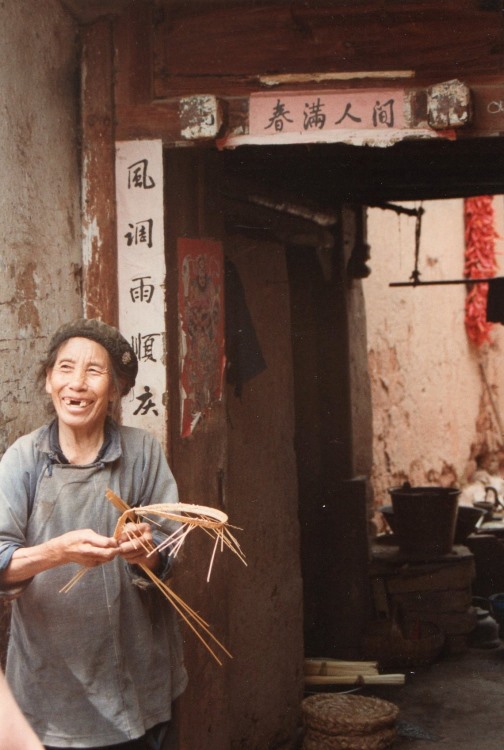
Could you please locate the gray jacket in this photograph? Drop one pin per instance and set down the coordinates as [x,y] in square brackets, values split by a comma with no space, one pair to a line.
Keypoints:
[101,664]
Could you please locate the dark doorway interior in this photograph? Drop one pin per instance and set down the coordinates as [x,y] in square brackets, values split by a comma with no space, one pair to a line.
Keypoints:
[325,178]
[243,194]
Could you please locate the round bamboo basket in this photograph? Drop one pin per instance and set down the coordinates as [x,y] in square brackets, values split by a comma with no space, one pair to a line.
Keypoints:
[343,714]
[394,648]
[378,740]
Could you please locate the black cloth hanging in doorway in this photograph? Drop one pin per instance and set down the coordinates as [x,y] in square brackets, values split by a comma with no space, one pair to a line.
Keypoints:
[495,301]
[243,352]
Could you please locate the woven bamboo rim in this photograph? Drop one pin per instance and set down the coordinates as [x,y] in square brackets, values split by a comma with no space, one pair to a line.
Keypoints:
[379,740]
[200,515]
[333,714]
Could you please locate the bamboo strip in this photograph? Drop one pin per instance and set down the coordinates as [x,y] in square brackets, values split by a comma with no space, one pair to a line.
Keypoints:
[66,588]
[368,679]
[184,608]
[334,668]
[359,668]
[341,662]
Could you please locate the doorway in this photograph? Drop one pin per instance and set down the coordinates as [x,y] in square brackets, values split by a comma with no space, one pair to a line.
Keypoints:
[293,424]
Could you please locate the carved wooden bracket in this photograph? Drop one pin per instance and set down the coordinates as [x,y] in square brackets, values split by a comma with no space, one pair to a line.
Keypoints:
[449,105]
[201,117]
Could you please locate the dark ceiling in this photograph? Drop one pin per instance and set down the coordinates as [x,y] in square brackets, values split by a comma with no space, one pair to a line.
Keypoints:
[410,170]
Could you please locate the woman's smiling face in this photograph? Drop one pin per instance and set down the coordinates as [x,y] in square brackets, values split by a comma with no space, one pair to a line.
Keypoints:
[80,384]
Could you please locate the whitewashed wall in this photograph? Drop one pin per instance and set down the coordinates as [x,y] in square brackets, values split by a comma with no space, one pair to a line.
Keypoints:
[431,409]
[40,254]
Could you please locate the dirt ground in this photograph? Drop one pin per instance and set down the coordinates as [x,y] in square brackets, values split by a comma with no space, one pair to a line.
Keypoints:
[457,702]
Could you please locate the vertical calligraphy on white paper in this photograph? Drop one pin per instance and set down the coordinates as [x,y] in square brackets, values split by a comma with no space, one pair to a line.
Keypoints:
[141,278]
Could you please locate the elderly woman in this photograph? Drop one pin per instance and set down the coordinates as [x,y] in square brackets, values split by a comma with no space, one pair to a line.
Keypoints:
[100,666]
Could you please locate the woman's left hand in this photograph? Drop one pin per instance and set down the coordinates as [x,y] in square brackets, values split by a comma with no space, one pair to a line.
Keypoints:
[135,543]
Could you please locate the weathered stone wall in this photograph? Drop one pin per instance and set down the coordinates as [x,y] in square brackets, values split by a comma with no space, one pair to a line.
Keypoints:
[432,410]
[40,256]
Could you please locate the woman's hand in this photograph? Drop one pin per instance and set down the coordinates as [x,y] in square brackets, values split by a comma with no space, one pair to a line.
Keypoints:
[135,544]
[86,547]
[82,546]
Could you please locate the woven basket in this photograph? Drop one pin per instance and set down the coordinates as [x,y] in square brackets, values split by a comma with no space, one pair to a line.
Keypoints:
[378,740]
[343,714]
[392,647]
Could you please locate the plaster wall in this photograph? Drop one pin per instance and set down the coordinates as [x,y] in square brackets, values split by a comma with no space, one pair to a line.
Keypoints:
[40,266]
[39,197]
[433,409]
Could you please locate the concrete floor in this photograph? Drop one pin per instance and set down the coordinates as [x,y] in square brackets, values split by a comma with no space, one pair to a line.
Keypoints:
[457,702]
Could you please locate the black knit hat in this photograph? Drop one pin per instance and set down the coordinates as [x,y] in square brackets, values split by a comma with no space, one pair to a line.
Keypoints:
[124,359]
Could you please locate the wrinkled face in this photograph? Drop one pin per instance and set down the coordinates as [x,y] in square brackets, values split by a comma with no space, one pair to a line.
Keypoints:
[80,384]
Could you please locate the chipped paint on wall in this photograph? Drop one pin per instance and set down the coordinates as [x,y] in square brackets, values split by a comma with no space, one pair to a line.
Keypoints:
[200,117]
[449,105]
[39,206]
[433,412]
[90,239]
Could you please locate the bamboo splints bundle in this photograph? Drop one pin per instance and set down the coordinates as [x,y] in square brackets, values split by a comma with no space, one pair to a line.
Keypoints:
[339,672]
[212,521]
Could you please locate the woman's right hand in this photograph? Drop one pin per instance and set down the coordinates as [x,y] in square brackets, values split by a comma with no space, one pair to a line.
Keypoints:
[84,546]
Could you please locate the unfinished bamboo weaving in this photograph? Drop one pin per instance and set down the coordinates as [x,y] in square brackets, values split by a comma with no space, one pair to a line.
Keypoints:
[188,517]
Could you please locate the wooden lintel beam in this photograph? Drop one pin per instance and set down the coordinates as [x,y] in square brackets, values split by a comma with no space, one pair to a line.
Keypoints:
[166,120]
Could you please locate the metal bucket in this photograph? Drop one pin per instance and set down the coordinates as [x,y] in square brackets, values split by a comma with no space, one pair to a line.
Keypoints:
[425,520]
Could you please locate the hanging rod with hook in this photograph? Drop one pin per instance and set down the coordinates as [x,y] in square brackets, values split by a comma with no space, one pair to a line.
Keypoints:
[397,209]
[415,275]
[443,282]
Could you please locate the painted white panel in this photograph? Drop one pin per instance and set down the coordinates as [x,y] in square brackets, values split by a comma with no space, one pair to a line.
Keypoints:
[141,276]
